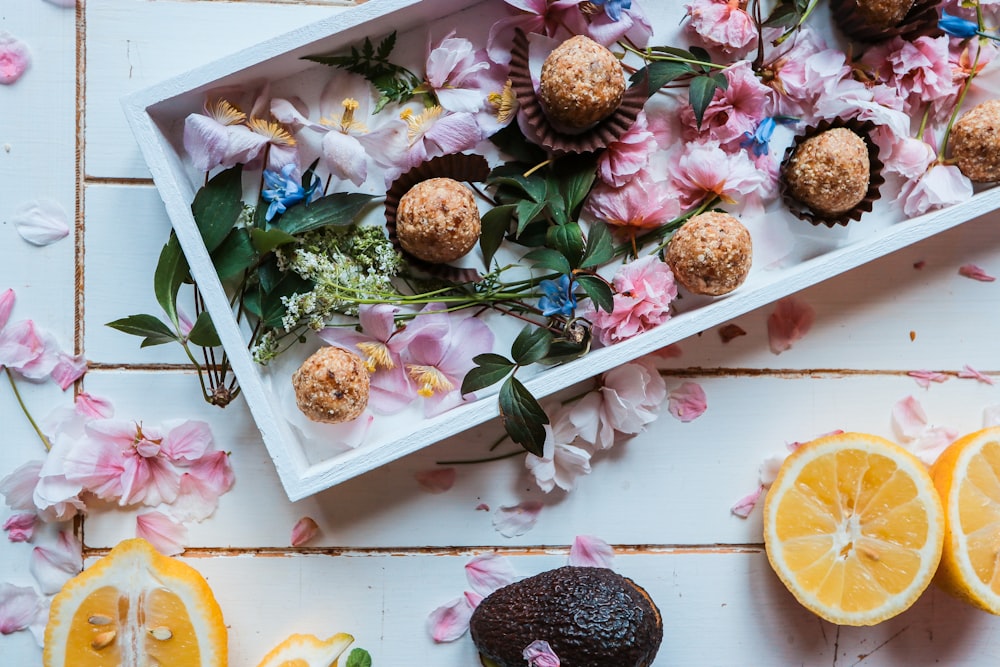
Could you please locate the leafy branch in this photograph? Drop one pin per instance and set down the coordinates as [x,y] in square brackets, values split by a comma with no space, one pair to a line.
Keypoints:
[667,64]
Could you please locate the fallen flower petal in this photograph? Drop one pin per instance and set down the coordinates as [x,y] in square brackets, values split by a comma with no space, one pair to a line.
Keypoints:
[687,402]
[517,520]
[41,222]
[18,488]
[489,572]
[991,415]
[14,58]
[908,418]
[65,4]
[482,507]
[929,444]
[52,566]
[769,467]
[18,607]
[590,551]
[539,654]
[88,405]
[450,621]
[745,505]
[436,480]
[68,369]
[7,299]
[20,527]
[791,320]
[924,378]
[975,273]
[970,373]
[304,530]
[166,535]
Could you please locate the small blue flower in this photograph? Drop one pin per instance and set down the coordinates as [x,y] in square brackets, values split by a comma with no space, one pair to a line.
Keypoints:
[957,26]
[559,298]
[282,190]
[613,8]
[759,141]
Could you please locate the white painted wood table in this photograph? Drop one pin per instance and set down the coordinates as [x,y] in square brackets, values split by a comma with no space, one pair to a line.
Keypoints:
[388,553]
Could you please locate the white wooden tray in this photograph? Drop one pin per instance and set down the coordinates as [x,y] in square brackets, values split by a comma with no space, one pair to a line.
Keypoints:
[156,116]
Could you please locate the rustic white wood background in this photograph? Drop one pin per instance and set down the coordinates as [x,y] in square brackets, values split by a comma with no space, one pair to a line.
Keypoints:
[388,553]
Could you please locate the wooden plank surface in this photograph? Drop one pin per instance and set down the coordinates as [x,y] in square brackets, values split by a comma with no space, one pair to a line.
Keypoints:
[388,553]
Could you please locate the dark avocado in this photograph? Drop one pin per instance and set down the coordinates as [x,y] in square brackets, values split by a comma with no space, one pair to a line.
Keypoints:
[591,616]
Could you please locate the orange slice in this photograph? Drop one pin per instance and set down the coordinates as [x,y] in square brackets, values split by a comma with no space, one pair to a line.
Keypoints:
[132,608]
[307,651]
[853,527]
[967,475]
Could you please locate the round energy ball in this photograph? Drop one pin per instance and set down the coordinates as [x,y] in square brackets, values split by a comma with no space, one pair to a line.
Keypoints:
[829,172]
[437,220]
[582,83]
[331,386]
[710,254]
[884,13]
[975,142]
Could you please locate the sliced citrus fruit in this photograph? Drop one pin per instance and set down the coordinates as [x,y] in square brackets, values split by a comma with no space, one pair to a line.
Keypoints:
[967,475]
[853,527]
[132,608]
[307,651]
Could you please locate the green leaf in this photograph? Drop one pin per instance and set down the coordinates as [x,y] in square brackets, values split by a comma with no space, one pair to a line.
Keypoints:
[340,208]
[660,73]
[531,345]
[266,240]
[526,212]
[495,224]
[523,418]
[575,176]
[272,310]
[568,240]
[510,140]
[218,205]
[785,14]
[701,54]
[547,258]
[674,51]
[171,271]
[203,332]
[491,369]
[149,327]
[512,174]
[359,657]
[564,350]
[600,246]
[599,292]
[234,255]
[700,94]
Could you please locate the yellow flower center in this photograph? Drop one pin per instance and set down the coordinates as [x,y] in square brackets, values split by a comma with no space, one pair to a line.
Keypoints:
[418,124]
[345,122]
[225,113]
[505,102]
[273,130]
[377,355]
[430,379]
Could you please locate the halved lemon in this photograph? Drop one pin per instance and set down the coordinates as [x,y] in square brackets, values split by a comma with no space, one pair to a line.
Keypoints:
[132,608]
[967,475]
[853,527]
[307,651]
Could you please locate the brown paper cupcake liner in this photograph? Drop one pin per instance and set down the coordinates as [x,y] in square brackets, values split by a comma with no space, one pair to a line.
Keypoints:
[459,166]
[863,129]
[597,138]
[922,19]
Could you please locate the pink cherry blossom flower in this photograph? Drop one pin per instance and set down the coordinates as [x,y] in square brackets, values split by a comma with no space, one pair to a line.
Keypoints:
[20,527]
[734,112]
[202,483]
[942,185]
[791,319]
[540,654]
[19,606]
[703,170]
[304,530]
[687,402]
[975,273]
[165,534]
[924,378]
[41,222]
[632,25]
[512,521]
[744,506]
[53,564]
[461,76]
[56,497]
[451,620]
[786,71]
[644,202]
[14,58]
[970,373]
[590,551]
[644,290]
[907,156]
[722,23]
[436,480]
[547,17]
[625,157]
[489,572]
[919,70]
[560,463]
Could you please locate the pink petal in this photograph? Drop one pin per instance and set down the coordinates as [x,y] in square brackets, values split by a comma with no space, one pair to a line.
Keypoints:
[20,527]
[68,369]
[991,415]
[304,530]
[205,141]
[688,402]
[539,654]
[473,598]
[975,273]
[345,157]
[450,621]
[790,321]
[7,299]
[20,345]
[482,507]
[166,535]
[18,488]
[745,505]
[54,565]
[489,572]
[924,378]
[930,443]
[188,441]
[590,551]
[517,520]
[14,58]
[41,222]
[18,607]
[88,405]
[436,480]
[970,373]
[908,418]
[201,486]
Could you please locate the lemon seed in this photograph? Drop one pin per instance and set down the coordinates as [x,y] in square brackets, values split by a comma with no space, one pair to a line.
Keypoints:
[99,619]
[103,640]
[161,632]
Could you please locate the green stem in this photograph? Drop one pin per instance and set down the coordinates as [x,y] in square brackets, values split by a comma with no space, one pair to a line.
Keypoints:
[488,459]
[649,55]
[961,96]
[27,413]
[802,20]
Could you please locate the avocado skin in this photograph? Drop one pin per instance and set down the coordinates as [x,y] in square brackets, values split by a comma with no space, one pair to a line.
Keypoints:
[591,616]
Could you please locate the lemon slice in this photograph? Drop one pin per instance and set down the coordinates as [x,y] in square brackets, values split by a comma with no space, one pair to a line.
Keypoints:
[132,608]
[967,476]
[853,527]
[307,651]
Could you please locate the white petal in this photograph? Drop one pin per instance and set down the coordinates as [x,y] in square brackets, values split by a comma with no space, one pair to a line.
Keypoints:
[55,564]
[41,222]
[517,520]
[166,535]
[19,606]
